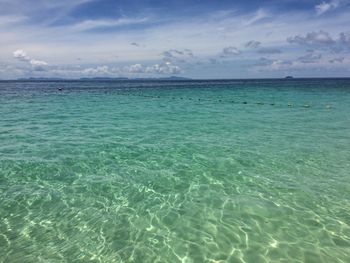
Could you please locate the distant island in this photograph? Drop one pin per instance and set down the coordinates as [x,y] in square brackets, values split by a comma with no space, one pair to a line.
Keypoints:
[103,78]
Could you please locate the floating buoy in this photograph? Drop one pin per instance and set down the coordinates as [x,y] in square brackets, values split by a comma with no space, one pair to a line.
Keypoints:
[328,107]
[290,104]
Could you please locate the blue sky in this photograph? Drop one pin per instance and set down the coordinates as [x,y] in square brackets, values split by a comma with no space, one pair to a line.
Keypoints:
[152,38]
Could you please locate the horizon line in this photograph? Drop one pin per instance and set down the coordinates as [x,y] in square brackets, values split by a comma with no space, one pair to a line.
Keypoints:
[164,79]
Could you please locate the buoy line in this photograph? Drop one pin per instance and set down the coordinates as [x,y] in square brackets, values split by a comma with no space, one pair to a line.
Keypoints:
[259,103]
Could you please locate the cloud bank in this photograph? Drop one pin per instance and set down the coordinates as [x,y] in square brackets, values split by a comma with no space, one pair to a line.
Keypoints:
[37,65]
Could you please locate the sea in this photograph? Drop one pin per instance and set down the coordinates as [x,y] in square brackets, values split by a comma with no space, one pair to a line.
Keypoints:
[175,171]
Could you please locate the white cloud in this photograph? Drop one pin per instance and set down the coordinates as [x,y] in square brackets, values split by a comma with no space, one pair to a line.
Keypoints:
[97,71]
[92,24]
[20,54]
[257,16]
[323,41]
[327,6]
[309,62]
[35,62]
[177,55]
[227,51]
[310,57]
[313,38]
[163,68]
[136,68]
[37,65]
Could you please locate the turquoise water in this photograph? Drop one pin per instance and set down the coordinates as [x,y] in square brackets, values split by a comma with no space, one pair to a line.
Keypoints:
[187,171]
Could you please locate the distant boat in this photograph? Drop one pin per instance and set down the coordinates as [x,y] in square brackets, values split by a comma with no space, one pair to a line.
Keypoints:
[289,77]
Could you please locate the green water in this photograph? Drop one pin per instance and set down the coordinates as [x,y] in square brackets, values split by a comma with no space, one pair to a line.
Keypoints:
[175,171]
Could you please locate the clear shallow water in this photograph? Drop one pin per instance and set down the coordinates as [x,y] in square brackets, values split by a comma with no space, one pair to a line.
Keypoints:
[175,171]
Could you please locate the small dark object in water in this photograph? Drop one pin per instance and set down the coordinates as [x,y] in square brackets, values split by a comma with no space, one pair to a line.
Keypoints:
[260,103]
[244,102]
[272,104]
[220,100]
[59,89]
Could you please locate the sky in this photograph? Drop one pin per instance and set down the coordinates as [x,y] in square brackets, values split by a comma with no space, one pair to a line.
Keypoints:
[207,39]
